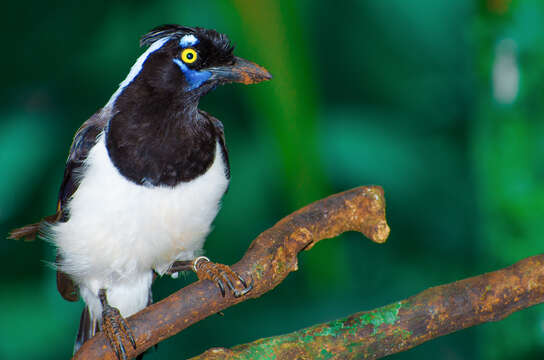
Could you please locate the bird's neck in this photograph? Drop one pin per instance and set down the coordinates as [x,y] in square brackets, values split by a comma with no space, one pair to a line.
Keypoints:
[159,138]
[158,106]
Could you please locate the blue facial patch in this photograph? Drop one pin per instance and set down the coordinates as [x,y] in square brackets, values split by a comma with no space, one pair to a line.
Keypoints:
[188,40]
[194,78]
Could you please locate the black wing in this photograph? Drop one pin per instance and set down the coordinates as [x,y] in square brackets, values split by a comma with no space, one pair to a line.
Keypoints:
[84,140]
[220,133]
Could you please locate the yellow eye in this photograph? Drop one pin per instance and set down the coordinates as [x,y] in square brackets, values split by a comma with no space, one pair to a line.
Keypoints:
[189,55]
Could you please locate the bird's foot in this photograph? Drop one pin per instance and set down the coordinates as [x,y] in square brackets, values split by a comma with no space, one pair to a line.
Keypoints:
[115,327]
[221,275]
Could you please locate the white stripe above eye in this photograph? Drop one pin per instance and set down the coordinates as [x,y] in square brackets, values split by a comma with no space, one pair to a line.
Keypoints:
[188,40]
[135,69]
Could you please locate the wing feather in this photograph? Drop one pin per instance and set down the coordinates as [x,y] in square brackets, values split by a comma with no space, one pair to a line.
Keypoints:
[220,133]
[84,140]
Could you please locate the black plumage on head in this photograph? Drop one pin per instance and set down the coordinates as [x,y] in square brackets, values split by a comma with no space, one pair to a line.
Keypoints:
[220,41]
[215,48]
[162,31]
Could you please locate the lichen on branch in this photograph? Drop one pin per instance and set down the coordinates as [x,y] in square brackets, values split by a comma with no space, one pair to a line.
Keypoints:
[400,326]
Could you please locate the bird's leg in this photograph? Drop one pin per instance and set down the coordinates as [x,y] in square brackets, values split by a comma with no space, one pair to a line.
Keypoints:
[179,266]
[221,275]
[115,327]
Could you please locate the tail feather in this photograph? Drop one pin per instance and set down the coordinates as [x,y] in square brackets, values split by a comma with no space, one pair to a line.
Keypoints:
[87,328]
[29,232]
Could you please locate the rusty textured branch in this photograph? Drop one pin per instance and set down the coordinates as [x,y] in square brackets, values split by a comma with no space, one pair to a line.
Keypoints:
[397,327]
[268,261]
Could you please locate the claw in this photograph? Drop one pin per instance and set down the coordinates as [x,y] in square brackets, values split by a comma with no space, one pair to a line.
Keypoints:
[245,291]
[123,351]
[243,281]
[229,283]
[221,275]
[128,333]
[118,354]
[221,287]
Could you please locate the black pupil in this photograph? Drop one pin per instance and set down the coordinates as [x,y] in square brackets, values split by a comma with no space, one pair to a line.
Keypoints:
[190,55]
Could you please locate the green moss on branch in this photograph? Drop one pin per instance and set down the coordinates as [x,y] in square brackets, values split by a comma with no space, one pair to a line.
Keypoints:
[402,325]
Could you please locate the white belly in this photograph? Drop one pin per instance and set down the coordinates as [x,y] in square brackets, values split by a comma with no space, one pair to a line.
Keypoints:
[118,231]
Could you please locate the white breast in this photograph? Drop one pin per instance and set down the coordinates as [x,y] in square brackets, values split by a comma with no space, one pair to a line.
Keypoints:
[118,229]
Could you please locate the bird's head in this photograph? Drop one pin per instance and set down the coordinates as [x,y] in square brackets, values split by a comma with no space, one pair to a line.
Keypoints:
[191,61]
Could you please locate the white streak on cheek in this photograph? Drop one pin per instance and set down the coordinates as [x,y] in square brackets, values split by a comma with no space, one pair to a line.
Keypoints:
[136,69]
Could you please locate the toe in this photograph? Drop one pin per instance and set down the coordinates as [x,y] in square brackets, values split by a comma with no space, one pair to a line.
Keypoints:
[222,275]
[117,330]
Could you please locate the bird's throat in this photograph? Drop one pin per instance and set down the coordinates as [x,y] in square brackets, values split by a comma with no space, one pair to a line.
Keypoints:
[160,140]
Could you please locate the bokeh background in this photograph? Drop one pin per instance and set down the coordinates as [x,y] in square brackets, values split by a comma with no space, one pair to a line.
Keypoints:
[439,102]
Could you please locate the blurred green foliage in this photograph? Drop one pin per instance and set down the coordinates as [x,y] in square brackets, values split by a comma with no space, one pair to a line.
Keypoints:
[420,98]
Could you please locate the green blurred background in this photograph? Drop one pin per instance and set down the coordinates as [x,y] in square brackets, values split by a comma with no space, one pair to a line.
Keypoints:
[439,102]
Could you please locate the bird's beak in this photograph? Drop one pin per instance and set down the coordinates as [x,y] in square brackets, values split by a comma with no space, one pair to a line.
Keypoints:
[242,71]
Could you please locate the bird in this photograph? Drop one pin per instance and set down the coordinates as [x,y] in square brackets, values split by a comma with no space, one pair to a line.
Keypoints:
[143,183]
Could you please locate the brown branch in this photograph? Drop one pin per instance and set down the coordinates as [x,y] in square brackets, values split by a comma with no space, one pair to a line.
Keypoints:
[400,326]
[268,261]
